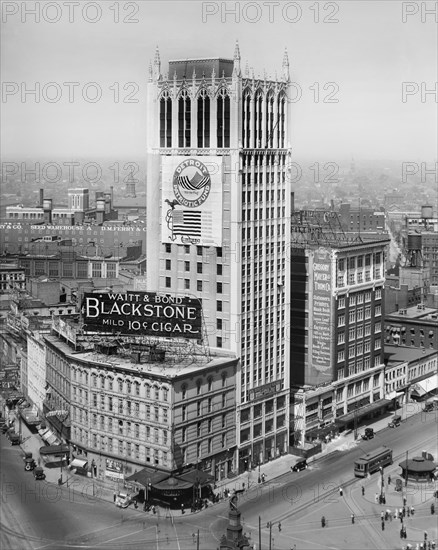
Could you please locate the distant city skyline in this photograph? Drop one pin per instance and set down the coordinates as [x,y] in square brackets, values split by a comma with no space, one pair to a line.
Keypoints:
[361,62]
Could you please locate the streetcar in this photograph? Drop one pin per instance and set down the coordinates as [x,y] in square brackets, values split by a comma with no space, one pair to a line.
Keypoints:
[372,462]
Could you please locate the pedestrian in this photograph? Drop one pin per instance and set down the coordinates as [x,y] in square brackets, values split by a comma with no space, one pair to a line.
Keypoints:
[404,501]
[376,497]
[412,510]
[383,525]
[425,535]
[340,491]
[323,521]
[432,508]
[182,508]
[382,516]
[363,491]
[409,512]
[389,480]
[279,526]
[386,515]
[352,518]
[404,512]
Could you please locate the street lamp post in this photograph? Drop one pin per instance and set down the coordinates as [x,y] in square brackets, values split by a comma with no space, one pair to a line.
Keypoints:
[382,483]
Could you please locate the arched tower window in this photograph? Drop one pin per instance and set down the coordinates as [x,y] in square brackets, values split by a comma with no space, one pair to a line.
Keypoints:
[223,118]
[203,119]
[165,120]
[246,122]
[270,123]
[281,122]
[258,121]
[184,118]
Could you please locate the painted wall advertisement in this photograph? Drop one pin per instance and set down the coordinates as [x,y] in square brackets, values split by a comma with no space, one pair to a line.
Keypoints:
[113,469]
[146,313]
[322,292]
[192,200]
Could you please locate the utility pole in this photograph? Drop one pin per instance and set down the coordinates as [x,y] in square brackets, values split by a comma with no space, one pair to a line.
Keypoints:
[406,471]
[270,535]
[260,533]
[197,541]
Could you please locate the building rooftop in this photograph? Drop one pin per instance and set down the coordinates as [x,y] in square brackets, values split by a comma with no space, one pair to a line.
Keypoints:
[414,312]
[188,363]
[400,354]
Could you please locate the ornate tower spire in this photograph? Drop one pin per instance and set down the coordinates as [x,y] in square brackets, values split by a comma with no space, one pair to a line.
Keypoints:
[236,68]
[150,71]
[285,66]
[157,64]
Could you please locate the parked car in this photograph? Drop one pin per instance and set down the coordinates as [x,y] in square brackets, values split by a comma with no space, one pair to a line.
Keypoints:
[4,428]
[300,465]
[123,500]
[38,473]
[14,439]
[396,421]
[430,406]
[369,434]
[29,464]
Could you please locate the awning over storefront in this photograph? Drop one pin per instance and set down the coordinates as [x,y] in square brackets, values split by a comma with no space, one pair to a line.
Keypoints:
[197,476]
[59,450]
[78,463]
[363,411]
[148,475]
[322,432]
[422,387]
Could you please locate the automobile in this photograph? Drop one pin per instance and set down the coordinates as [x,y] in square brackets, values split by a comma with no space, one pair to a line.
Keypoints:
[123,500]
[4,428]
[29,464]
[396,421]
[300,465]
[38,473]
[429,406]
[27,455]
[14,439]
[369,434]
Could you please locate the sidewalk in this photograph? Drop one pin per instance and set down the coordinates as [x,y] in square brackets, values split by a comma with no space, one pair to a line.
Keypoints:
[94,488]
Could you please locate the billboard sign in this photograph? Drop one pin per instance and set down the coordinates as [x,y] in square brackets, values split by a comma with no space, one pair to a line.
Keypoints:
[192,200]
[147,313]
[114,469]
[322,294]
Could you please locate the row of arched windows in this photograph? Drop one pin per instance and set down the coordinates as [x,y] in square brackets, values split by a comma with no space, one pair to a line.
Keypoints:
[202,106]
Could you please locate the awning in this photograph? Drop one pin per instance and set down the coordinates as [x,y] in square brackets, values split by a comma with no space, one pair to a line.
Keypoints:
[322,432]
[78,463]
[363,411]
[197,476]
[427,385]
[147,475]
[59,450]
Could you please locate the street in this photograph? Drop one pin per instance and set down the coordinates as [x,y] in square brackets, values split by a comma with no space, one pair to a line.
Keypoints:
[36,514]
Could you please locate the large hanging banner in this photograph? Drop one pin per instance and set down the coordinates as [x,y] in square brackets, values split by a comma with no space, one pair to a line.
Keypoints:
[192,200]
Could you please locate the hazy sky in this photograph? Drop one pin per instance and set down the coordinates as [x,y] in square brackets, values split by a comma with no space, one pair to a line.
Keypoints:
[367,54]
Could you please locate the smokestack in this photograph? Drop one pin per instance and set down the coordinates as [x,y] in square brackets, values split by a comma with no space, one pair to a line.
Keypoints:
[47,208]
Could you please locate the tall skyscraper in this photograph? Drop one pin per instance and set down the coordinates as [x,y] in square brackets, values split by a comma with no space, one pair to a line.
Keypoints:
[218,215]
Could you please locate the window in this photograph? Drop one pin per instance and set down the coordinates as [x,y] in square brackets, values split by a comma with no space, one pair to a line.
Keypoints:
[341,303]
[187,284]
[219,288]
[168,248]
[168,282]
[168,264]
[187,249]
[186,266]
[219,269]
[341,337]
[184,412]
[219,341]
[199,250]
[341,320]
[199,286]
[219,305]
